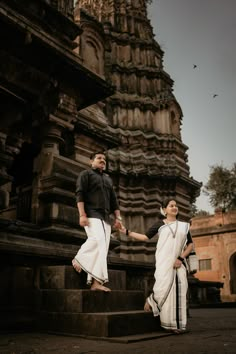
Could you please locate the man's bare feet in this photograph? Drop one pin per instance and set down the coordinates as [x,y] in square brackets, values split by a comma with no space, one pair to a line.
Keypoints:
[100,288]
[76,266]
[147,307]
[97,286]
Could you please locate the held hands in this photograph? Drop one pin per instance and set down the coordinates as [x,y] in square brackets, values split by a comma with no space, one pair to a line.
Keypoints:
[123,229]
[118,224]
[120,227]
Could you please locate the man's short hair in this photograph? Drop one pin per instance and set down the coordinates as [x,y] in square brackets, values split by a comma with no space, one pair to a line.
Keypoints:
[93,155]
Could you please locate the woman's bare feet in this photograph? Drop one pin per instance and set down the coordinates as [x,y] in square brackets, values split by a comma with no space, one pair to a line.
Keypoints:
[76,266]
[147,307]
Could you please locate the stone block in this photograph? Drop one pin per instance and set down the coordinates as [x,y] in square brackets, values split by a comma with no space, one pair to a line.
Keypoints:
[65,277]
[91,301]
[61,277]
[113,324]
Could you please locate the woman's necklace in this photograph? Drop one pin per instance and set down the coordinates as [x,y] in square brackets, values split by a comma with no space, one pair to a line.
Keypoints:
[176,227]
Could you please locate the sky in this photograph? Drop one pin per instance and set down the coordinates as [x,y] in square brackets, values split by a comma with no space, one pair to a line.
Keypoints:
[201,33]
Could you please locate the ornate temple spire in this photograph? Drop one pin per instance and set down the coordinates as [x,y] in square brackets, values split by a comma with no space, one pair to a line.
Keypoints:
[143,113]
[122,14]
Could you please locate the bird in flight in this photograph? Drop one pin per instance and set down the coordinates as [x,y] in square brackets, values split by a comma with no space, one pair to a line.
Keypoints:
[215,95]
[194,66]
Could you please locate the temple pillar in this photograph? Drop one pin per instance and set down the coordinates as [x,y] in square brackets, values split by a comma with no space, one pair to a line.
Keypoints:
[5,179]
[51,142]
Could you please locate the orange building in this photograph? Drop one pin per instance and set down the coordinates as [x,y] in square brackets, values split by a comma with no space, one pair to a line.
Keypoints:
[215,244]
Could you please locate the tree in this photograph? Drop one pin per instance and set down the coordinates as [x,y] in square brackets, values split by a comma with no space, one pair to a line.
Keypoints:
[221,187]
[202,213]
[196,212]
[193,210]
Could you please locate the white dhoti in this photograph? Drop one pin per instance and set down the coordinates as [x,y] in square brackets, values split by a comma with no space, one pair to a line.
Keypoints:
[169,295]
[92,256]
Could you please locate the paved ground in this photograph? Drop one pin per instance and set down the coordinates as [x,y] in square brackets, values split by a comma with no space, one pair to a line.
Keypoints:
[210,331]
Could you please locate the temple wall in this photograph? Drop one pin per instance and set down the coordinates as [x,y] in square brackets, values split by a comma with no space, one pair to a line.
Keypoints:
[215,244]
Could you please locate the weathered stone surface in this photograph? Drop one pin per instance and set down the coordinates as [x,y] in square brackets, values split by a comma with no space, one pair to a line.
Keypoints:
[110,324]
[65,277]
[87,301]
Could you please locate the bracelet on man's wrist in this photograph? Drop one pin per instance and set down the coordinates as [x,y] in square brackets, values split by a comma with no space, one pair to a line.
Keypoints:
[127,232]
[181,259]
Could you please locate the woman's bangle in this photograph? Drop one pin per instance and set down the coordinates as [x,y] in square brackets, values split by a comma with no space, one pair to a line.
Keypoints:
[181,259]
[83,215]
[119,218]
[127,232]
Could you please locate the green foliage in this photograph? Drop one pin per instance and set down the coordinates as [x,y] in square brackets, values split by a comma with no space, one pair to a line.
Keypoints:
[195,212]
[221,187]
[202,213]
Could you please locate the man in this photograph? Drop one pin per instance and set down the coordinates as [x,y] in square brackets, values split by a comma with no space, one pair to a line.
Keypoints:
[96,200]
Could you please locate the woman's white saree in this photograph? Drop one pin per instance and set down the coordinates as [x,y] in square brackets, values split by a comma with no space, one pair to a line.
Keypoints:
[170,289]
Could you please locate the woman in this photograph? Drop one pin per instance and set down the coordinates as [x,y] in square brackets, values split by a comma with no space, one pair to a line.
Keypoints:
[168,298]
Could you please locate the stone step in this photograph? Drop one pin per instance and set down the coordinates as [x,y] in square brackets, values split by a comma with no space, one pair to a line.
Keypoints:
[72,300]
[160,333]
[106,324]
[65,277]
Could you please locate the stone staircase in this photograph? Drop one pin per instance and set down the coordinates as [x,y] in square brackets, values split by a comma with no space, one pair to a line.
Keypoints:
[69,307]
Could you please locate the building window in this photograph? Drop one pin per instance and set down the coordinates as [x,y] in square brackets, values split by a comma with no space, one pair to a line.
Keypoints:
[205,264]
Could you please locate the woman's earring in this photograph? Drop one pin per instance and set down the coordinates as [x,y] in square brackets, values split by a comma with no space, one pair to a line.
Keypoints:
[162,211]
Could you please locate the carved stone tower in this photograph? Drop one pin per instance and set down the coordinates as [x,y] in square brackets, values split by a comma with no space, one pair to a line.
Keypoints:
[151,161]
